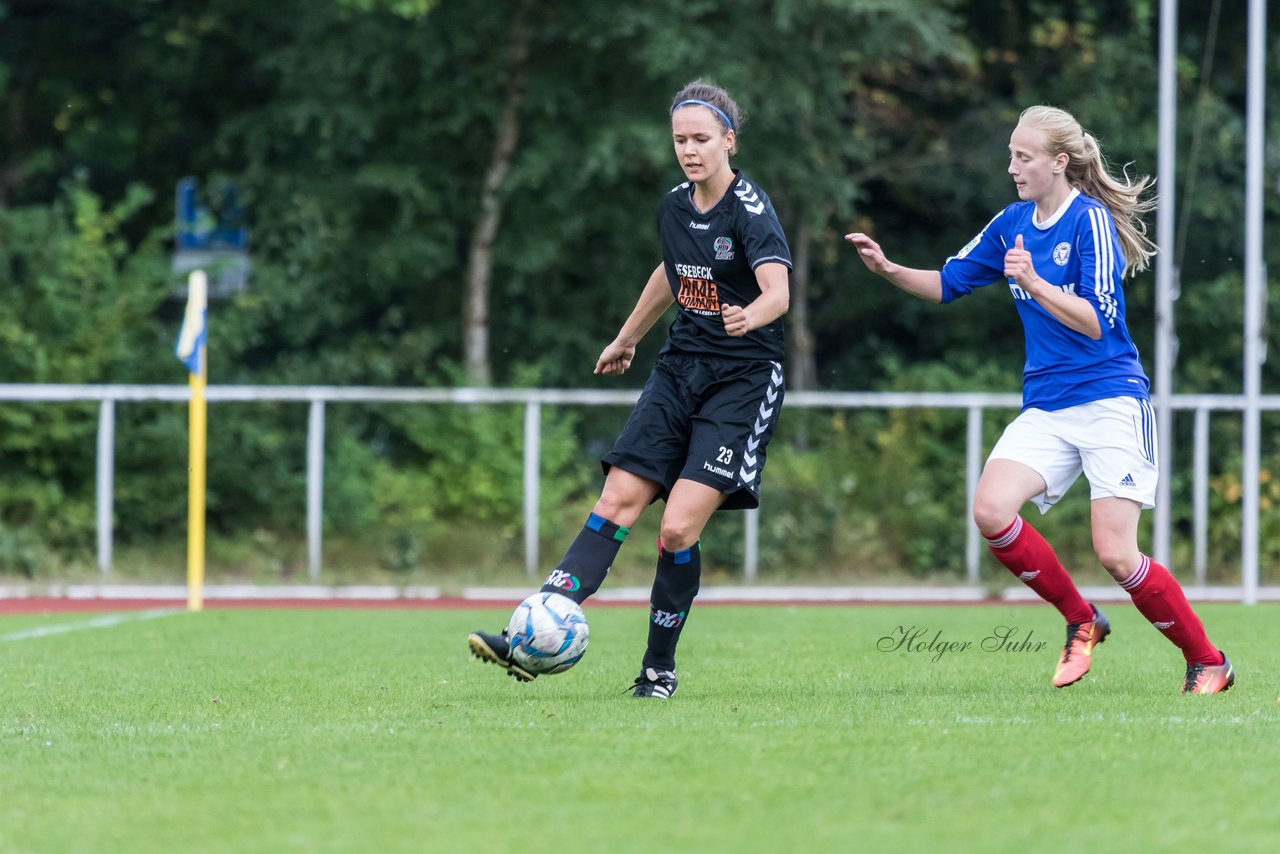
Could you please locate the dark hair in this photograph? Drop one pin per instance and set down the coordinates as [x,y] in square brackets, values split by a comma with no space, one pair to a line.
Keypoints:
[702,90]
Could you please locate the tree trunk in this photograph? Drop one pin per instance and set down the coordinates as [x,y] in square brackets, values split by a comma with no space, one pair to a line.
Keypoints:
[475,329]
[15,130]
[801,368]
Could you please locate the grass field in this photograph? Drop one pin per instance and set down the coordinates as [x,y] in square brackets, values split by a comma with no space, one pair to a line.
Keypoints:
[281,730]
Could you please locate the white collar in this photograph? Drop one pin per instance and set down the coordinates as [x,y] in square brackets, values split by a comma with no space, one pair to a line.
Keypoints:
[1057,215]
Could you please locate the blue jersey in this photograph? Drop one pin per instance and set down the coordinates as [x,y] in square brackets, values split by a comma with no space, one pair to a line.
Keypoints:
[1078,251]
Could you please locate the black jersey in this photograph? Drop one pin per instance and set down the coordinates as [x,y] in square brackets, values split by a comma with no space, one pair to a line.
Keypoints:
[710,260]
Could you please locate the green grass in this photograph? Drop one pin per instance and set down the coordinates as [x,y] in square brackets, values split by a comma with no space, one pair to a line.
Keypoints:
[375,731]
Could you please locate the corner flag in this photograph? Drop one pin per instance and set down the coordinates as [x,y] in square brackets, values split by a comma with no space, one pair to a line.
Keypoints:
[191,350]
[194,334]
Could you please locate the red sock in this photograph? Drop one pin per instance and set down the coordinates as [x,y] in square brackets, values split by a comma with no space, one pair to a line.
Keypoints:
[1160,599]
[1027,555]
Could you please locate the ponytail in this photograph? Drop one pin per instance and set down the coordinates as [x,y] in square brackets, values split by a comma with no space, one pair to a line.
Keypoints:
[1087,170]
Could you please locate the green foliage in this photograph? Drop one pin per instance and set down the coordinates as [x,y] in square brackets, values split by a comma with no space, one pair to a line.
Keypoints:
[75,287]
[1225,496]
[22,551]
[359,133]
[871,491]
[404,8]
[423,472]
[77,300]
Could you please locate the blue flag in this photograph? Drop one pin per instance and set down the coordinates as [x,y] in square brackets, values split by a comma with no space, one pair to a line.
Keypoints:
[194,334]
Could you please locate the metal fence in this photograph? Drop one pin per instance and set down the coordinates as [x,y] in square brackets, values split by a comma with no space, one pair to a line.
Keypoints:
[317,397]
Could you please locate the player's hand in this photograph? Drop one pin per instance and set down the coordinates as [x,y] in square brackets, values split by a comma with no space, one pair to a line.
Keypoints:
[615,359]
[736,322]
[870,253]
[1018,266]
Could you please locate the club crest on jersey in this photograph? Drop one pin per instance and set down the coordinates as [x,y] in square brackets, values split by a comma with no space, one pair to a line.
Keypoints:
[724,249]
[1061,253]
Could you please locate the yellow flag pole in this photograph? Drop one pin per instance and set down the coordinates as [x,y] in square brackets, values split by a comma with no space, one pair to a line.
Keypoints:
[196,490]
[191,342]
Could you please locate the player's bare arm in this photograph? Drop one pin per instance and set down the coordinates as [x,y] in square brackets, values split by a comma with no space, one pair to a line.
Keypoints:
[926,284]
[773,302]
[654,300]
[1072,311]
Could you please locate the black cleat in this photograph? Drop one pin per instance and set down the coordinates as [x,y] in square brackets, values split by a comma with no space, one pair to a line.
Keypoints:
[496,649]
[655,683]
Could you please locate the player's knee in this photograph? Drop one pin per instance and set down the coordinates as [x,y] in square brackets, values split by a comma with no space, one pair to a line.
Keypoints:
[677,534]
[992,516]
[1119,559]
[618,506]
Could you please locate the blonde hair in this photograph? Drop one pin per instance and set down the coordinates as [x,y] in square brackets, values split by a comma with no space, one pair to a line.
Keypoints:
[1087,171]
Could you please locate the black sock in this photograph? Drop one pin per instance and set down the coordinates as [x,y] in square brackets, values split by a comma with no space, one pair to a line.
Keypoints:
[674,586]
[582,569]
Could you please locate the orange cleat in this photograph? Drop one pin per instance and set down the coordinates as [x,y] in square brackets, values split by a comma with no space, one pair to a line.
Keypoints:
[1209,678]
[1077,655]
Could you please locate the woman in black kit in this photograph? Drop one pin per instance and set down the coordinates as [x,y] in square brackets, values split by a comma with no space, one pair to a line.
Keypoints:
[698,433]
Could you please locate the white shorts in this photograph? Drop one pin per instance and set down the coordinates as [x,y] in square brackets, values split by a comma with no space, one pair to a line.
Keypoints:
[1112,441]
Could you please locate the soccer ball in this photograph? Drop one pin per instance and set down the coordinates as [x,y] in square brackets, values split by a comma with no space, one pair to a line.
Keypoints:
[548,633]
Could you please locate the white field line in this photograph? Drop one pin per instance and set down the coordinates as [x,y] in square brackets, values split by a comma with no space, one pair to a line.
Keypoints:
[102,622]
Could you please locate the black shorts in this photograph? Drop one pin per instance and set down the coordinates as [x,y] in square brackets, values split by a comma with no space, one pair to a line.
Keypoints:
[704,419]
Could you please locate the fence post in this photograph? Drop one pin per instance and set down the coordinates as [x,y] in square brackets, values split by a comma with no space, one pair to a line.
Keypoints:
[532,456]
[1255,295]
[315,487]
[973,470]
[1200,493]
[106,482]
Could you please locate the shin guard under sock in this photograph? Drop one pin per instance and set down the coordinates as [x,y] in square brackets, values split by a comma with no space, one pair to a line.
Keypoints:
[674,586]
[1158,596]
[584,566]
[1026,554]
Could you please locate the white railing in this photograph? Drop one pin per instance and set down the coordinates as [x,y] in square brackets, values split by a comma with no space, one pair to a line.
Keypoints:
[975,404]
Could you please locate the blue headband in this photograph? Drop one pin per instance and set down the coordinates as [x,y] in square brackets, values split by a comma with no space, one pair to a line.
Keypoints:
[719,112]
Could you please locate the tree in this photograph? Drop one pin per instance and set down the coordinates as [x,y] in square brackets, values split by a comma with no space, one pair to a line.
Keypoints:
[447,192]
[480,258]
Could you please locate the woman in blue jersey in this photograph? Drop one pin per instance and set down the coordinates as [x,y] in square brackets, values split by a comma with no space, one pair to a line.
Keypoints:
[698,433]
[1064,250]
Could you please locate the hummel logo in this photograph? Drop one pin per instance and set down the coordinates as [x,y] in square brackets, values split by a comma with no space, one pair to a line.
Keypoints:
[1028,576]
[1128,481]
[750,200]
[1161,625]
